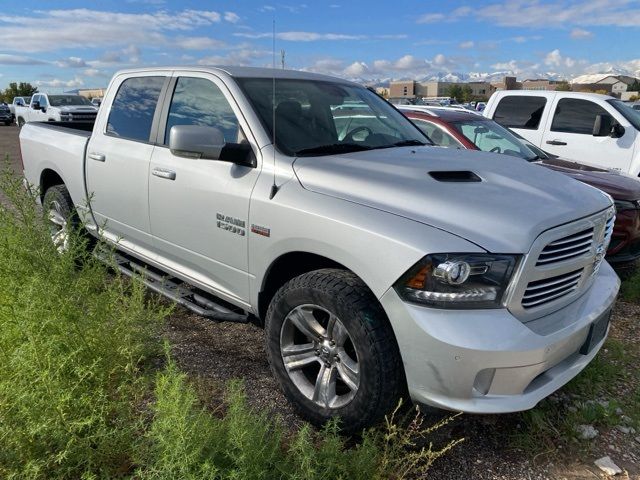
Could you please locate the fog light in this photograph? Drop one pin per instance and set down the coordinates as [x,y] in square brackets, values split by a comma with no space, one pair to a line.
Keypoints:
[483,381]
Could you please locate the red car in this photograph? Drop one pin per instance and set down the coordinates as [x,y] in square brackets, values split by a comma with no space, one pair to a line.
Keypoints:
[467,130]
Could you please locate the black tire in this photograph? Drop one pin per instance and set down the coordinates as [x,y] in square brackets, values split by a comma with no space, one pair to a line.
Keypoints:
[381,375]
[21,122]
[57,199]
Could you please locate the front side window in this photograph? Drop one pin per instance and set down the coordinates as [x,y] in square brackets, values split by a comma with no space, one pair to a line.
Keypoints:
[198,101]
[323,118]
[573,115]
[520,111]
[133,107]
[631,113]
[488,136]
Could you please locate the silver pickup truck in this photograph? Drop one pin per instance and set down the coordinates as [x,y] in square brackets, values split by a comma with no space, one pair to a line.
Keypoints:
[378,264]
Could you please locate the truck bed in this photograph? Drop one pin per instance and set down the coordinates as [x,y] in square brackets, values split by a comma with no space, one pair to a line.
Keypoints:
[56,148]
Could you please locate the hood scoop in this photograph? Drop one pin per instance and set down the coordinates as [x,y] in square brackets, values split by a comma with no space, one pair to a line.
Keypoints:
[455,176]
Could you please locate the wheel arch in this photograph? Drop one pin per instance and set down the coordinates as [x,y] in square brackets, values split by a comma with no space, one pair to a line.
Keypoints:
[49,178]
[286,267]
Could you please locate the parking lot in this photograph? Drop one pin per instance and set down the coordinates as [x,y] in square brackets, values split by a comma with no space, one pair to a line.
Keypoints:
[495,447]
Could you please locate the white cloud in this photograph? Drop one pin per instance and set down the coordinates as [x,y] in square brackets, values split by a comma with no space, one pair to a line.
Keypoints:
[92,72]
[301,36]
[56,83]
[241,55]
[431,18]
[231,17]
[197,43]
[6,59]
[556,59]
[84,28]
[71,62]
[467,44]
[356,69]
[580,34]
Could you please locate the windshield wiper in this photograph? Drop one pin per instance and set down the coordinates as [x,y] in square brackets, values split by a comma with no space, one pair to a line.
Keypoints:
[402,143]
[332,149]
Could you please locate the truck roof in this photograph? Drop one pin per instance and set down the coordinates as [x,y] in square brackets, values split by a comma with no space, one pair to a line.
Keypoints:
[549,93]
[243,72]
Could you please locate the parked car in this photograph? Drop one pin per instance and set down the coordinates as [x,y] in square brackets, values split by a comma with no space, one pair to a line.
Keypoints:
[5,115]
[377,263]
[594,129]
[451,129]
[18,101]
[96,102]
[56,108]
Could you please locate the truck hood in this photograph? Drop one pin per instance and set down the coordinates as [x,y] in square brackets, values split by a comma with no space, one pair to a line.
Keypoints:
[619,185]
[504,212]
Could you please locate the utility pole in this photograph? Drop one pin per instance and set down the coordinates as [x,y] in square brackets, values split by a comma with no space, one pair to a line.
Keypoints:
[282,58]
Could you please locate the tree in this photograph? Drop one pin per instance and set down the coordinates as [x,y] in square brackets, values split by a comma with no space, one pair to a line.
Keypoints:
[467,94]
[22,89]
[455,91]
[634,87]
[563,87]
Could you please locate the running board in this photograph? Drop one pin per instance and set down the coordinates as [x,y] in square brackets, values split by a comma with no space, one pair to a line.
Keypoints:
[189,296]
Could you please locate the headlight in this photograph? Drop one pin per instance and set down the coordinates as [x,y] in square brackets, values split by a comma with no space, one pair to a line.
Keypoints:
[458,280]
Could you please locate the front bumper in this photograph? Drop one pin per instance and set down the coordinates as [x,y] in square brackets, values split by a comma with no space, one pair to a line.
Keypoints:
[488,361]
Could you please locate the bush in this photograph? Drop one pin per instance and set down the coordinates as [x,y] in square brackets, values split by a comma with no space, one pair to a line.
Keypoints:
[79,397]
[73,342]
[630,289]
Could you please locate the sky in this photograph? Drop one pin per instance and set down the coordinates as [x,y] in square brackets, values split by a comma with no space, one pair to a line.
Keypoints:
[60,45]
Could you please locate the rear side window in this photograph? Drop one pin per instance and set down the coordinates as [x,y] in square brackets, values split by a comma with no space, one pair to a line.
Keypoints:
[520,111]
[198,101]
[576,116]
[132,111]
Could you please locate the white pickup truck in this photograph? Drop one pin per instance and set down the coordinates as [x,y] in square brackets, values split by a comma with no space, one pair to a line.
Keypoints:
[378,264]
[18,102]
[56,108]
[598,130]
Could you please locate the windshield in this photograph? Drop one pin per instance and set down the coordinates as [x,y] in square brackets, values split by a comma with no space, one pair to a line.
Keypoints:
[488,136]
[323,118]
[627,112]
[66,100]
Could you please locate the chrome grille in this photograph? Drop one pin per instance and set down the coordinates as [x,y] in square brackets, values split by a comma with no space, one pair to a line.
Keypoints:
[560,266]
[543,291]
[565,248]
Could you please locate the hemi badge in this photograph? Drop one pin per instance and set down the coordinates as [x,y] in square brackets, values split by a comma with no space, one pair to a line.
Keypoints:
[265,232]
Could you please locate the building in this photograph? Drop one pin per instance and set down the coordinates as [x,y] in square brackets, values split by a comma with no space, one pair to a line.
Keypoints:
[413,89]
[507,83]
[92,92]
[614,84]
[541,84]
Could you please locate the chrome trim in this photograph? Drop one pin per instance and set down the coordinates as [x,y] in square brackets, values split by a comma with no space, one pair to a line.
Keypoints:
[573,272]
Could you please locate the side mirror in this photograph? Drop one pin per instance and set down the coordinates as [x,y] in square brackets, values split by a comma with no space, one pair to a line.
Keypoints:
[207,143]
[617,131]
[35,105]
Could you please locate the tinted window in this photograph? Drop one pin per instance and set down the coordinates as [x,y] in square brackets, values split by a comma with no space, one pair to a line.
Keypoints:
[133,107]
[436,134]
[43,101]
[488,136]
[198,101]
[520,111]
[65,100]
[576,116]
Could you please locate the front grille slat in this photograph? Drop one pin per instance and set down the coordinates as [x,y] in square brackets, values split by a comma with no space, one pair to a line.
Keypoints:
[541,284]
[565,248]
[540,292]
[548,299]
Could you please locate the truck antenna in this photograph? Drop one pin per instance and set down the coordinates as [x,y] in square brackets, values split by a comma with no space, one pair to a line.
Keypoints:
[274,186]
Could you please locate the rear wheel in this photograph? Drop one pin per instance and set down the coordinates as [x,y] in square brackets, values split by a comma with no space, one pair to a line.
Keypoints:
[332,349]
[61,216]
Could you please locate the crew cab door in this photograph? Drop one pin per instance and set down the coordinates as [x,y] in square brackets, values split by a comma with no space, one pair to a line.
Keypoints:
[36,114]
[199,209]
[569,134]
[118,156]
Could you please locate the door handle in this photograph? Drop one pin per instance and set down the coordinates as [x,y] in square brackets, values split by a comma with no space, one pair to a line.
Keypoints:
[162,173]
[555,142]
[99,157]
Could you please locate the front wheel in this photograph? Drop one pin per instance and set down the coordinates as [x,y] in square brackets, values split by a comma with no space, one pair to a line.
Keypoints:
[332,349]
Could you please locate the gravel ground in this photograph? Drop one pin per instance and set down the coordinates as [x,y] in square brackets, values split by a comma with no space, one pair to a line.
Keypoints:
[213,353]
